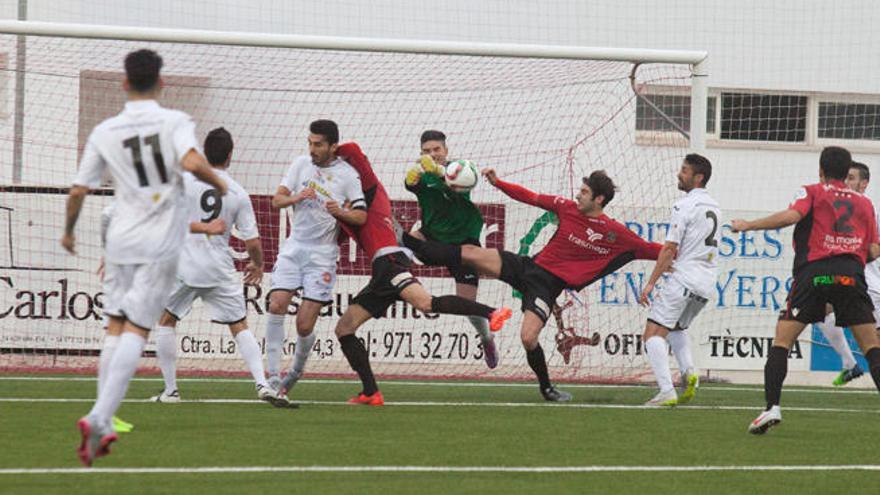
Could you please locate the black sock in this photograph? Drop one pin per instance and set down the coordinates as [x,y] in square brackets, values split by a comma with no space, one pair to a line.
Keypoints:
[774,374]
[432,252]
[359,361]
[455,305]
[539,366]
[873,357]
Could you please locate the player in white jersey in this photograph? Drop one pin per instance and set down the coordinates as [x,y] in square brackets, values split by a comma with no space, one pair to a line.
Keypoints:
[857,179]
[206,270]
[691,251]
[322,189]
[145,148]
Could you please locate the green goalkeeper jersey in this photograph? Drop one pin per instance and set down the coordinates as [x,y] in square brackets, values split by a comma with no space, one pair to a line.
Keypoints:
[447,216]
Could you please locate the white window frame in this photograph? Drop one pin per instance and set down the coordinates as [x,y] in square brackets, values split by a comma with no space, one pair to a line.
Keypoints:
[672,137]
[811,142]
[856,145]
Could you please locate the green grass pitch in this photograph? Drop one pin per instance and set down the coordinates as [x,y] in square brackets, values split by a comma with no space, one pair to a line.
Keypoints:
[429,431]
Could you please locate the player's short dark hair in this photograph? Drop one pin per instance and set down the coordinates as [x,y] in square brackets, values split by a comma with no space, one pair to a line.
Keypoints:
[433,135]
[326,128]
[700,165]
[142,70]
[864,172]
[601,185]
[218,146]
[835,162]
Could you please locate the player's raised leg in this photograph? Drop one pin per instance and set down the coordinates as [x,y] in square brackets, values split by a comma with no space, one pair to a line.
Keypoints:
[416,295]
[485,261]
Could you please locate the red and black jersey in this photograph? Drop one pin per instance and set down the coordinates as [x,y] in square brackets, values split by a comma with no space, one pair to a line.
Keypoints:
[378,231]
[835,220]
[583,249]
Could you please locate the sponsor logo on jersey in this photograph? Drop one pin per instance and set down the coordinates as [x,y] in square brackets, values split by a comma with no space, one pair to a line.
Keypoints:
[603,251]
[593,236]
[833,280]
[318,189]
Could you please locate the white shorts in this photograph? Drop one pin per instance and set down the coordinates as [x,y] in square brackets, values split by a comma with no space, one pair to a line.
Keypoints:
[226,302]
[674,306]
[316,279]
[139,293]
[875,298]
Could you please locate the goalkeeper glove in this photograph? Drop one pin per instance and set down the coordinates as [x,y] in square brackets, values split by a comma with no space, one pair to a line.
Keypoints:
[429,166]
[413,175]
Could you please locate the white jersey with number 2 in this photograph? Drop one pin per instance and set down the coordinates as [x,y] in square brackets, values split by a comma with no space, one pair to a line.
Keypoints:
[696,228]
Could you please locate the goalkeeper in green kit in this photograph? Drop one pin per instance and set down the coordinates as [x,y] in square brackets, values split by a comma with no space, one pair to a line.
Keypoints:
[449,216]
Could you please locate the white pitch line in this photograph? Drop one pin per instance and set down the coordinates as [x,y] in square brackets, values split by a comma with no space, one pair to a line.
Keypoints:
[706,388]
[461,404]
[435,469]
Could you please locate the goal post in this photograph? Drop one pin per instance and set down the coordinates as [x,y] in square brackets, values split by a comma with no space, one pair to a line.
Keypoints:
[543,116]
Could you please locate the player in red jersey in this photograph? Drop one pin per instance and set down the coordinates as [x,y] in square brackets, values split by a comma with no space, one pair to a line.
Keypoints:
[835,233]
[391,279]
[587,246]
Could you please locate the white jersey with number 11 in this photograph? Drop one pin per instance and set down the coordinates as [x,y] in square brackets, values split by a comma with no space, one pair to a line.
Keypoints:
[142,147]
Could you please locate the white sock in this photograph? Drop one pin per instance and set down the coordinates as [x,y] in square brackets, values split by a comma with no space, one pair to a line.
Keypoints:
[250,353]
[681,347]
[837,339]
[166,353]
[274,341]
[302,352]
[119,373]
[482,326]
[659,358]
[109,347]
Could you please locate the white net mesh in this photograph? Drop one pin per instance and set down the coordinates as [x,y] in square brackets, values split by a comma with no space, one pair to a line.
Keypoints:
[540,123]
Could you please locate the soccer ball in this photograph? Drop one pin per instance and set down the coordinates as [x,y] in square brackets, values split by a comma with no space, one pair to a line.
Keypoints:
[461,175]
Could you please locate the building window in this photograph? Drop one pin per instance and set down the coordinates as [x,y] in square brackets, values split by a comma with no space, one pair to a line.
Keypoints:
[677,107]
[839,120]
[763,117]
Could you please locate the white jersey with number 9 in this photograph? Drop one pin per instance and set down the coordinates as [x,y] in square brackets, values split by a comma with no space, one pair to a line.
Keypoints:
[206,260]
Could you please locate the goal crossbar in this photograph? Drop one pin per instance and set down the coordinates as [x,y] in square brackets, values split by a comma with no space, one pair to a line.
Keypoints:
[240,38]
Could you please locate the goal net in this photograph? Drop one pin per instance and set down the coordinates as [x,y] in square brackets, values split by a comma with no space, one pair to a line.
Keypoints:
[540,122]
